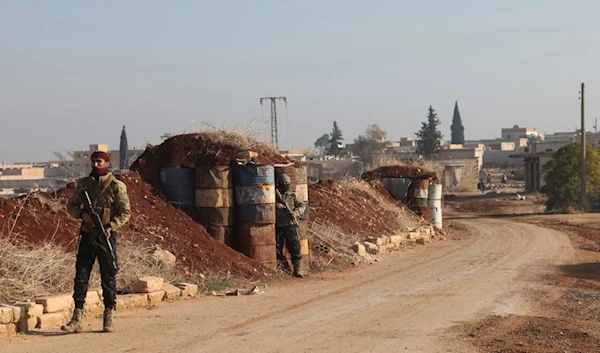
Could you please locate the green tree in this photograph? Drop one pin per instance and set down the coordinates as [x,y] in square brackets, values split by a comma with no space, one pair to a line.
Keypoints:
[336,139]
[429,137]
[322,143]
[457,128]
[123,150]
[562,177]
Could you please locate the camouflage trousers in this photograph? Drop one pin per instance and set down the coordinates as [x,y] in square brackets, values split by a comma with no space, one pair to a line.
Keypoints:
[87,253]
[289,236]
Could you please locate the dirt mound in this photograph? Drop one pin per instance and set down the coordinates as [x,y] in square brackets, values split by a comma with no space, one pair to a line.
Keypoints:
[399,171]
[202,149]
[154,222]
[358,207]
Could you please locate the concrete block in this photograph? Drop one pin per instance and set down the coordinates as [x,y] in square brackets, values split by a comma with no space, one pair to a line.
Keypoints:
[39,310]
[376,240]
[92,297]
[359,249]
[91,310]
[129,301]
[188,289]
[6,315]
[386,239]
[413,235]
[7,330]
[148,284]
[396,239]
[420,241]
[27,308]
[156,297]
[26,325]
[371,248]
[171,292]
[54,319]
[386,247]
[56,303]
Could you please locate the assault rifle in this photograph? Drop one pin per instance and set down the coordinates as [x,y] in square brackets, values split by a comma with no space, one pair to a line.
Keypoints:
[99,225]
[289,211]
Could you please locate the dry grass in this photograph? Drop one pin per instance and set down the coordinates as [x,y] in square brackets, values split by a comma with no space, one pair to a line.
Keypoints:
[28,271]
[329,236]
[255,137]
[379,202]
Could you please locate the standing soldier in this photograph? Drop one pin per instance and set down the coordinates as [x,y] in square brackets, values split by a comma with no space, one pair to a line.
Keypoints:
[286,228]
[109,199]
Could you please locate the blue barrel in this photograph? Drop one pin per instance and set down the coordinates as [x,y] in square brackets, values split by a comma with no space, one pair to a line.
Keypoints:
[255,194]
[179,184]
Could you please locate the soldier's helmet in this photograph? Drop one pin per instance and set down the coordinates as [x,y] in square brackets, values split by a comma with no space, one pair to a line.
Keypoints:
[283,179]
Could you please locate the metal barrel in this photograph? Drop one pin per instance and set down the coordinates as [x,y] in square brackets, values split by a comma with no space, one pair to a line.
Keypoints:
[417,197]
[179,185]
[215,202]
[434,202]
[290,171]
[255,212]
[301,172]
[397,187]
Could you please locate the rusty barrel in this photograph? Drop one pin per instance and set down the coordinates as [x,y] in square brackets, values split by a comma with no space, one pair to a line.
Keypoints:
[417,197]
[302,187]
[215,202]
[255,212]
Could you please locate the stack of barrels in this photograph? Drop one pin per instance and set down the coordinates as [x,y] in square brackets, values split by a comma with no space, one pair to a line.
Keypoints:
[255,212]
[215,203]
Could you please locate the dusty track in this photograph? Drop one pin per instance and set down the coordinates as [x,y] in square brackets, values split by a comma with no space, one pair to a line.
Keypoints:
[407,302]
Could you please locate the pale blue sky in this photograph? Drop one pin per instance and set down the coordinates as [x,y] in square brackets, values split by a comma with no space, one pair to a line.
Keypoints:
[73,72]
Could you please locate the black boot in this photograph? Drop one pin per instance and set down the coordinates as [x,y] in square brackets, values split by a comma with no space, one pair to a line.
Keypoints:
[284,266]
[108,325]
[298,269]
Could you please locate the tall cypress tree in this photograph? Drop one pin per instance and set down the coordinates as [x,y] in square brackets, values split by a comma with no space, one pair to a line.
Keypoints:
[457,128]
[123,150]
[429,137]
[336,137]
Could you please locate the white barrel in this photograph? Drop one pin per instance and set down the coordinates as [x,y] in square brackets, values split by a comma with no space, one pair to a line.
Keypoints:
[434,202]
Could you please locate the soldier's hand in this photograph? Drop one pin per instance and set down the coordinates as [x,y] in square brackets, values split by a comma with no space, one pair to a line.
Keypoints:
[108,232]
[87,218]
[280,206]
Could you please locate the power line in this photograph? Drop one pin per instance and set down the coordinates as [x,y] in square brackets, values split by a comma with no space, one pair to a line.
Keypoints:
[274,139]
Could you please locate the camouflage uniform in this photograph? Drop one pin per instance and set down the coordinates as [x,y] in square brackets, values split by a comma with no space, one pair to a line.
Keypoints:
[287,232]
[110,201]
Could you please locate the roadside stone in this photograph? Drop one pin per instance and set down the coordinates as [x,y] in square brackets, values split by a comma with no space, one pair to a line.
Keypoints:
[92,297]
[6,315]
[53,319]
[129,301]
[7,330]
[91,310]
[27,309]
[56,303]
[164,257]
[359,249]
[156,297]
[171,292]
[413,235]
[148,284]
[188,289]
[28,324]
[39,310]
[396,239]
[386,247]
[420,241]
[376,240]
[371,248]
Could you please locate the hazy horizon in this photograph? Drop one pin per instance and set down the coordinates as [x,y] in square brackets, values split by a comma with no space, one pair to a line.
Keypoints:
[74,73]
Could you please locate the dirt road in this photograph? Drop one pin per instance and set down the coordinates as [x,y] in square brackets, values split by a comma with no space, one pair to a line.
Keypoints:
[406,302]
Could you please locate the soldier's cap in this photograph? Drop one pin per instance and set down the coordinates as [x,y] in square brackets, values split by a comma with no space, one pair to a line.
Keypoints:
[283,179]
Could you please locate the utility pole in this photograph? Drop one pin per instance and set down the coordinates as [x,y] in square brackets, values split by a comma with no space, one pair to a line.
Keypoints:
[583,143]
[274,139]
[595,125]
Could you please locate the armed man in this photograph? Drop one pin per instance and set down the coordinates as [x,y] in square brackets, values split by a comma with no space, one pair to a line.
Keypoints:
[289,208]
[100,201]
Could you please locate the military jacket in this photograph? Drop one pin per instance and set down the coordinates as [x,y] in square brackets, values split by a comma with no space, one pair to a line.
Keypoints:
[295,204]
[109,199]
